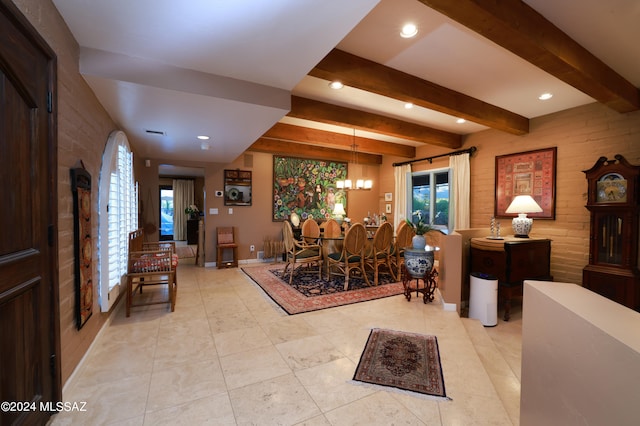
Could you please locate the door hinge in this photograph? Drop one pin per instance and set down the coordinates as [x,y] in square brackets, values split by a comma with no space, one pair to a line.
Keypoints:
[52,364]
[49,102]
[50,235]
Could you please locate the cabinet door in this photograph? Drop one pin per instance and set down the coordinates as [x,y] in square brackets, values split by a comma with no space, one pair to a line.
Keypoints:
[489,262]
[528,260]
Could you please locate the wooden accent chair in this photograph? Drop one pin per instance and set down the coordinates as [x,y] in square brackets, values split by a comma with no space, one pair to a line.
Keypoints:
[351,257]
[404,235]
[380,253]
[226,240]
[150,264]
[299,252]
[332,228]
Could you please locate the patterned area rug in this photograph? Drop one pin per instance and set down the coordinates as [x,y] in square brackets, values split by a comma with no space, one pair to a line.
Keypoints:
[406,361]
[310,294]
[185,251]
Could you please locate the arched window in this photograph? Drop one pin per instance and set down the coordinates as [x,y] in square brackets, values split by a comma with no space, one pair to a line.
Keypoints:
[117,216]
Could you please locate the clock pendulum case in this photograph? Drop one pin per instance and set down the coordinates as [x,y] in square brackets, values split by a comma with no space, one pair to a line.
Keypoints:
[612,200]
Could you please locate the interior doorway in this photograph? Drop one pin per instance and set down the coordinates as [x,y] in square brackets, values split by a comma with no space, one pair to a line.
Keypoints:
[166,212]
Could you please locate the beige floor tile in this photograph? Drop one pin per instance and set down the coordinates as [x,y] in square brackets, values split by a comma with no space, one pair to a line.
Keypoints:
[330,384]
[211,410]
[277,401]
[249,367]
[308,352]
[241,340]
[230,350]
[183,383]
[379,408]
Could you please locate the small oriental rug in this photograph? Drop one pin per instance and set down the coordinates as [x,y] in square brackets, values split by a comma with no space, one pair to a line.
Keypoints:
[405,361]
[185,251]
[307,293]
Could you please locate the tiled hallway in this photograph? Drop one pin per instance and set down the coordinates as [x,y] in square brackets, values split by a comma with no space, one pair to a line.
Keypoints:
[228,355]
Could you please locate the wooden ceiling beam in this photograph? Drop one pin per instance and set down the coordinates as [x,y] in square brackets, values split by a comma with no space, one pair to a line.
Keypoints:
[367,75]
[309,109]
[518,28]
[295,149]
[290,132]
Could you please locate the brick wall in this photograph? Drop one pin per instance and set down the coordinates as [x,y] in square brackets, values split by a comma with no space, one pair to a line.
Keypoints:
[83,128]
[582,135]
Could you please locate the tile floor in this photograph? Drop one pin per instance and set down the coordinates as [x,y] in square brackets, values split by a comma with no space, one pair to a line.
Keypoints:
[229,356]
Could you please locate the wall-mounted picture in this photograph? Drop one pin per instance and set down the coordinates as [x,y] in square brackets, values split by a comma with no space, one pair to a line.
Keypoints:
[306,187]
[388,196]
[527,173]
[237,188]
[83,245]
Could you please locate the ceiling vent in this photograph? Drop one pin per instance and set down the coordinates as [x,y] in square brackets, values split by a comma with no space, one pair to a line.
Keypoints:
[156,132]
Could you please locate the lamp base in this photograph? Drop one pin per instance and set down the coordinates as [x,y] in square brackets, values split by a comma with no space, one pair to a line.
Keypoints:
[521,225]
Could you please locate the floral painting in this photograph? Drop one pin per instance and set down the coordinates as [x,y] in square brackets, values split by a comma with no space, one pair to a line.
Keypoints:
[307,187]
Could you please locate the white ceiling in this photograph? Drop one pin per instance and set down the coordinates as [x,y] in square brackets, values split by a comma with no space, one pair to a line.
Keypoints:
[227,68]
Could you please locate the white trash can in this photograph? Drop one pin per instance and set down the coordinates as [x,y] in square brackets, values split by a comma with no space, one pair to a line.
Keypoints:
[483,298]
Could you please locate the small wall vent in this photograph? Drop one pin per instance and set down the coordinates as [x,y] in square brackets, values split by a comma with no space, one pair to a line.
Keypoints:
[156,132]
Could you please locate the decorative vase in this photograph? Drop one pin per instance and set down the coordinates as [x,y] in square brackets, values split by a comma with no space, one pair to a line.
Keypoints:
[418,242]
[418,262]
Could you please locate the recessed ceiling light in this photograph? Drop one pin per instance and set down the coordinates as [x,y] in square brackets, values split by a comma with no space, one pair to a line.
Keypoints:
[408,30]
[336,85]
[203,137]
[545,96]
[408,105]
[461,121]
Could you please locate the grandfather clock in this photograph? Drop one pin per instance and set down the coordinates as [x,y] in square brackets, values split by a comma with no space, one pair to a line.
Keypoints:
[612,200]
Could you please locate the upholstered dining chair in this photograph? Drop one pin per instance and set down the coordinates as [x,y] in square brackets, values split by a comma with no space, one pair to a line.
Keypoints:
[351,257]
[380,253]
[310,231]
[404,235]
[299,252]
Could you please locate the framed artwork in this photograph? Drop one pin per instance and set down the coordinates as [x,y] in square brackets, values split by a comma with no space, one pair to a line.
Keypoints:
[527,173]
[387,208]
[83,248]
[388,196]
[306,187]
[237,188]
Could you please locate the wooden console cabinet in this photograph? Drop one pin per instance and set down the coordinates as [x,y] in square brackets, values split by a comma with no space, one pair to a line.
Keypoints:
[512,260]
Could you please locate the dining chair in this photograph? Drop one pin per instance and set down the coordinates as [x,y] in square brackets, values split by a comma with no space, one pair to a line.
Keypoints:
[226,241]
[404,234]
[310,231]
[332,228]
[299,252]
[351,257]
[379,254]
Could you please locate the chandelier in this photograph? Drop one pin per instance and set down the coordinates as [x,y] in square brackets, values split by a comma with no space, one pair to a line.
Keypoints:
[361,183]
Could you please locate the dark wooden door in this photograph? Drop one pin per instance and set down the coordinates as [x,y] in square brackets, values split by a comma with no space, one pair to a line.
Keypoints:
[29,317]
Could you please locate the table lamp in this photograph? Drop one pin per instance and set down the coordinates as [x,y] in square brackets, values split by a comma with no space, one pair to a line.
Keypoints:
[522,205]
[339,213]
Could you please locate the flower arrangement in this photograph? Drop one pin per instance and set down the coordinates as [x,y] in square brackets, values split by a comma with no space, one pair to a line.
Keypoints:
[191,210]
[421,227]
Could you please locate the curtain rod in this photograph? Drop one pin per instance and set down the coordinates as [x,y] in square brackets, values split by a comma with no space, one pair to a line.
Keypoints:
[469,151]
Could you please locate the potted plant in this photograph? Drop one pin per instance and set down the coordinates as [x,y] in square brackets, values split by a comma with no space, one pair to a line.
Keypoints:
[192,211]
[419,260]
[420,227]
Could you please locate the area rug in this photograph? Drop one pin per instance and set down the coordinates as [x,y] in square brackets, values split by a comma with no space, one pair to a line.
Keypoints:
[404,361]
[310,294]
[185,251]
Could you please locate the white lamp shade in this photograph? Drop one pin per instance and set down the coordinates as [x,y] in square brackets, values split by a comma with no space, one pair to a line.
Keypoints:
[338,210]
[523,204]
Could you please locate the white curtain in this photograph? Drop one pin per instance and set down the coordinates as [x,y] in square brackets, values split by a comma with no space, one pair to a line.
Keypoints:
[182,198]
[400,206]
[460,185]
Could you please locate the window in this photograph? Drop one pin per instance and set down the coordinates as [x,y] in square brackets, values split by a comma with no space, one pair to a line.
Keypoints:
[118,215]
[430,195]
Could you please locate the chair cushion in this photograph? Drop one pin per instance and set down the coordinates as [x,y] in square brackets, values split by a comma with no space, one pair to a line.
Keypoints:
[303,254]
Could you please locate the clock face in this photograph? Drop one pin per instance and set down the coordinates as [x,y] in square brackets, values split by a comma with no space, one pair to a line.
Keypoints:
[612,188]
